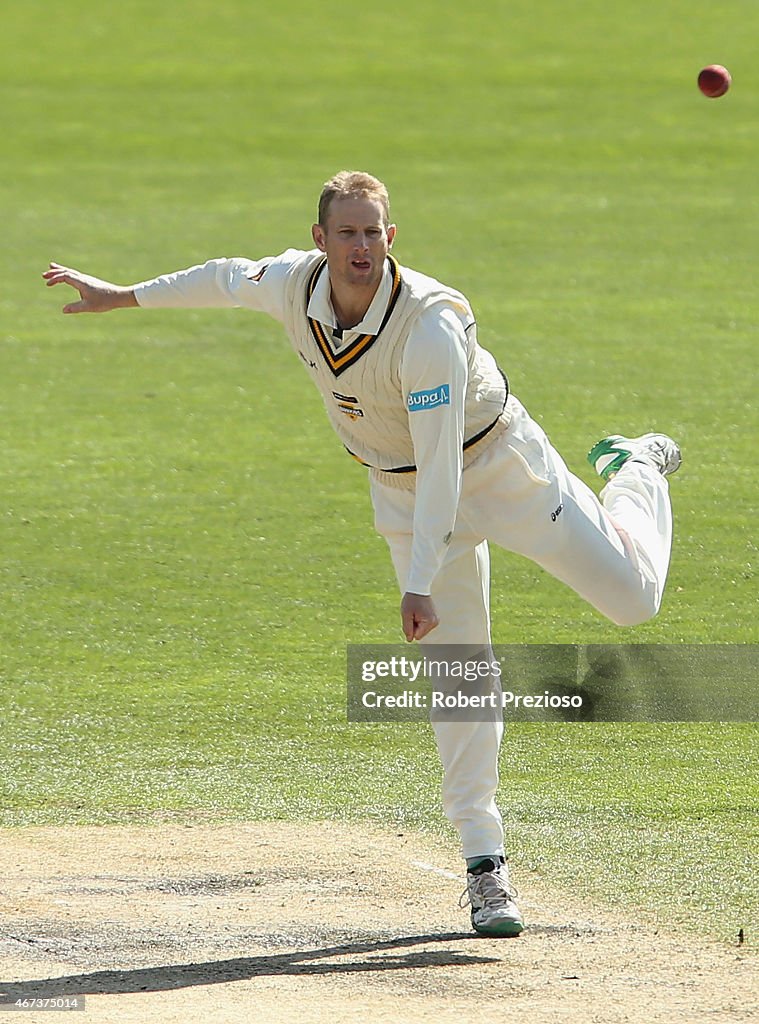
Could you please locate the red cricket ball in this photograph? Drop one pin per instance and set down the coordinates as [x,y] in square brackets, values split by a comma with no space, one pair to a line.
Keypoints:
[714,81]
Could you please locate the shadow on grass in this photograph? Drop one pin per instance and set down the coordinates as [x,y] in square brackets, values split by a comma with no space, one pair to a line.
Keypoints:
[217,972]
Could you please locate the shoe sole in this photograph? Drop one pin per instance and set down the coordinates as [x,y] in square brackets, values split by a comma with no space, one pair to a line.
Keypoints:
[505,930]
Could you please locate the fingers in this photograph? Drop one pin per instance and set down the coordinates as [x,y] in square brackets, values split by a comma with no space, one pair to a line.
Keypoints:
[424,626]
[53,270]
[60,276]
[57,274]
[417,629]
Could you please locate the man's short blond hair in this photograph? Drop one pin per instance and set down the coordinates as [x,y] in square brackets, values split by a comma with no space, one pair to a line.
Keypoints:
[350,185]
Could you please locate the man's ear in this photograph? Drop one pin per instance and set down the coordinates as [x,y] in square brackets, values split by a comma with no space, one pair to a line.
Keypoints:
[320,240]
[390,234]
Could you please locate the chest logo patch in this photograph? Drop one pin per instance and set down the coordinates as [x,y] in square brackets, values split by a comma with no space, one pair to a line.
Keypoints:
[348,404]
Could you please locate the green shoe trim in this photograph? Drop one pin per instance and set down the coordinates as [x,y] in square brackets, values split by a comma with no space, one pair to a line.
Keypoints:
[609,448]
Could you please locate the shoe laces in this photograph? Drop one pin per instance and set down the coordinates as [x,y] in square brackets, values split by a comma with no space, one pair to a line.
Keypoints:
[491,887]
[659,451]
[656,450]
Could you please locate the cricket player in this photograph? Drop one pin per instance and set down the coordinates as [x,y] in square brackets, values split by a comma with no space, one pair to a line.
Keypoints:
[454,461]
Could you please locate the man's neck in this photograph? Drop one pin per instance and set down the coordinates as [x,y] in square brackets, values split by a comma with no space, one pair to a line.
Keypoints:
[351,301]
[350,304]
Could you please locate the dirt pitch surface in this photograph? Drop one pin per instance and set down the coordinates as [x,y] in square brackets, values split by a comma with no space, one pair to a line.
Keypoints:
[329,923]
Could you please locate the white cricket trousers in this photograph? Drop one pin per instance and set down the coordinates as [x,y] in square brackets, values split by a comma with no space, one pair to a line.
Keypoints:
[519,494]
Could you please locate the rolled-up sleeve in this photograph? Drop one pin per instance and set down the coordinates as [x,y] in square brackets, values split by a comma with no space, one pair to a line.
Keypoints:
[434,381]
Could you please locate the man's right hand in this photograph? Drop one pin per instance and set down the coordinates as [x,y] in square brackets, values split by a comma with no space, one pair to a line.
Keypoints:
[95,296]
[418,616]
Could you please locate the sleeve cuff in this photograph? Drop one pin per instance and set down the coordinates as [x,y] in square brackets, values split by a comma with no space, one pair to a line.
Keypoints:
[140,291]
[418,586]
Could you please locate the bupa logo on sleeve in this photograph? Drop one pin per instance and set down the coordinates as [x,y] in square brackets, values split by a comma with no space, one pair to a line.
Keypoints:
[418,400]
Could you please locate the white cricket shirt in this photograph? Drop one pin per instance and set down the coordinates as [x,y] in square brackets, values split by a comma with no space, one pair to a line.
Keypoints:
[404,388]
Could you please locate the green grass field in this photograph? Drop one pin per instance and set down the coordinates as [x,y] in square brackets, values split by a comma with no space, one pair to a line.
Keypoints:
[186,550]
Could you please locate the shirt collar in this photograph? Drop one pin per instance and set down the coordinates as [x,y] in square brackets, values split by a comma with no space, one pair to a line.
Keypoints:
[320,304]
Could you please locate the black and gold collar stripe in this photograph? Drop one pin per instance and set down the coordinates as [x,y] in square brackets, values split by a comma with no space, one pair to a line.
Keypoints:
[351,353]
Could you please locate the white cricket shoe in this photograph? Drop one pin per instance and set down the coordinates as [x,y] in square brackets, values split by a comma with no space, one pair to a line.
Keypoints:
[609,455]
[491,897]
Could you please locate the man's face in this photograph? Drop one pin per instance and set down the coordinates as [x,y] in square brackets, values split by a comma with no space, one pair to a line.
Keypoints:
[356,240]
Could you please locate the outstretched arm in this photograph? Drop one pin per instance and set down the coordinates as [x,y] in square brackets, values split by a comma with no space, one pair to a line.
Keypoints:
[95,296]
[258,285]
